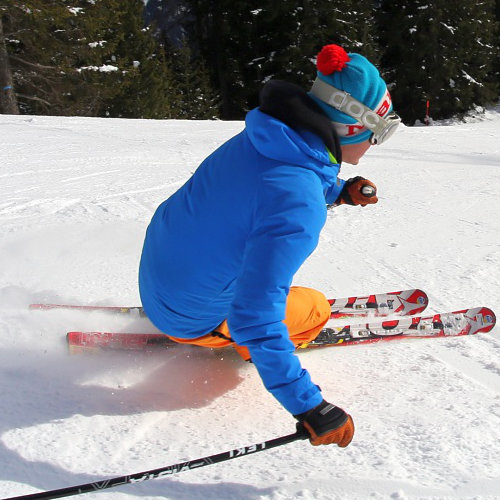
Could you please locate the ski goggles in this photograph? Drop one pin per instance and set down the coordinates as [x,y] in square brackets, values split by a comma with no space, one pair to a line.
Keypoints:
[382,127]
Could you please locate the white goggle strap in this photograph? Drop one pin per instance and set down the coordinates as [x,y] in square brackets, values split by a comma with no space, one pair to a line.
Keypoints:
[344,102]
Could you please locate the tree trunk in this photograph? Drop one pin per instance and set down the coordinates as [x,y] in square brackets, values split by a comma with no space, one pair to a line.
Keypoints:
[8,101]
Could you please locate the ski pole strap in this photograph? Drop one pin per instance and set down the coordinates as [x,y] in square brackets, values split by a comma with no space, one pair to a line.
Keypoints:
[165,471]
[215,333]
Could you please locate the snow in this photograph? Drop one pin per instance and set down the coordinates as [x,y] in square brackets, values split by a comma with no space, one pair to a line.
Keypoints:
[75,10]
[472,80]
[76,197]
[100,43]
[105,68]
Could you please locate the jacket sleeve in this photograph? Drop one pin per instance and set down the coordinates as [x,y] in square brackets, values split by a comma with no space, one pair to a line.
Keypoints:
[333,192]
[290,213]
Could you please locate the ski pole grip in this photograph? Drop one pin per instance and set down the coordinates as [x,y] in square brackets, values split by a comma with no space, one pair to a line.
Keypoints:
[368,191]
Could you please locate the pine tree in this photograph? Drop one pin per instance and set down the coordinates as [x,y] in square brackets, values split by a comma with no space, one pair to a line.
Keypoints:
[442,52]
[244,45]
[28,27]
[475,59]
[210,33]
[93,58]
[8,101]
[495,72]
[192,94]
[143,77]
[118,67]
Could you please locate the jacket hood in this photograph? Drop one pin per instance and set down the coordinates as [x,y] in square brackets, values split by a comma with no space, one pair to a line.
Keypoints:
[292,105]
[277,141]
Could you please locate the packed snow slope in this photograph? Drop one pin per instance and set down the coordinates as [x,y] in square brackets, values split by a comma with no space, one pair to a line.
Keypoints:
[76,195]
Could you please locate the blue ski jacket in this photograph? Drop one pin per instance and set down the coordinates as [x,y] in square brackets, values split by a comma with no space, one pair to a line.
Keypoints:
[227,244]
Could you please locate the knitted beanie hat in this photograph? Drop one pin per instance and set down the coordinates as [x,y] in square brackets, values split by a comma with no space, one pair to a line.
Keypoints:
[354,74]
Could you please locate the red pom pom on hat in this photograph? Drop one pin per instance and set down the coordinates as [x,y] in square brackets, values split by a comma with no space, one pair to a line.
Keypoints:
[332,58]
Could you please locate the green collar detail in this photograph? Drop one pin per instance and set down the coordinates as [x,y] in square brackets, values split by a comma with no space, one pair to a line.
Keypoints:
[331,157]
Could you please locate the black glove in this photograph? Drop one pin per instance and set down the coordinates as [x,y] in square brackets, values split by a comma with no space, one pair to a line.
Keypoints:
[358,191]
[327,424]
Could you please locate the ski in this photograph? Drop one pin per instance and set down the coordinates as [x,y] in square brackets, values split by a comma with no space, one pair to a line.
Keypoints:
[449,324]
[401,303]
[85,342]
[106,309]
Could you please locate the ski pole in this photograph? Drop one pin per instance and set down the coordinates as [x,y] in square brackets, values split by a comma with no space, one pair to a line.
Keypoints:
[165,471]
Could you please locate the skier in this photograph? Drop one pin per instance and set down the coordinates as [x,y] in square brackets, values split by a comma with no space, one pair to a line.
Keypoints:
[220,254]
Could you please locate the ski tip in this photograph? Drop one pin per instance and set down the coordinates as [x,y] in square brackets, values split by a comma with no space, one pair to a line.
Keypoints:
[489,318]
[423,298]
[480,319]
[419,299]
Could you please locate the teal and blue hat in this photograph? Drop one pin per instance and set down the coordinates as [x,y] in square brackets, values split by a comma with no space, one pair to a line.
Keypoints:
[354,74]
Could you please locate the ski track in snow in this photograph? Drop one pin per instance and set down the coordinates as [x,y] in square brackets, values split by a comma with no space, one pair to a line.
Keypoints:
[77,195]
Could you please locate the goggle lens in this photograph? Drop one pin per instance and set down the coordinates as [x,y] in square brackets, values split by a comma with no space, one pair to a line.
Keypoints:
[393,121]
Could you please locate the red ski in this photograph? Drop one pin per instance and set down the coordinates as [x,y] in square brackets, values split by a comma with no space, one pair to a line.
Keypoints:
[450,324]
[401,303]
[105,309]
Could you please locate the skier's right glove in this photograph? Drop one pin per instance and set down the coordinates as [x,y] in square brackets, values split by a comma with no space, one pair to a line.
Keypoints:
[327,424]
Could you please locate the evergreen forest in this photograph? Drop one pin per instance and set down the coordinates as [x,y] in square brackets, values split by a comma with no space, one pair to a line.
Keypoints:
[208,59]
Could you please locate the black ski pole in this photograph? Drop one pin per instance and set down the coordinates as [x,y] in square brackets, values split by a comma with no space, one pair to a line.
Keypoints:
[165,471]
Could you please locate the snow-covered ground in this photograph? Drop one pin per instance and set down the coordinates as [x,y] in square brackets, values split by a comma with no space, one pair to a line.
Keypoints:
[76,197]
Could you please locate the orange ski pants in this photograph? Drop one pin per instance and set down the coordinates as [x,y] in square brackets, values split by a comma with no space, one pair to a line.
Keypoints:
[307,311]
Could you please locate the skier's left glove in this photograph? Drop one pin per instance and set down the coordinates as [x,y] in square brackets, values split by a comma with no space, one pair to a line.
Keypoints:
[327,424]
[358,191]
